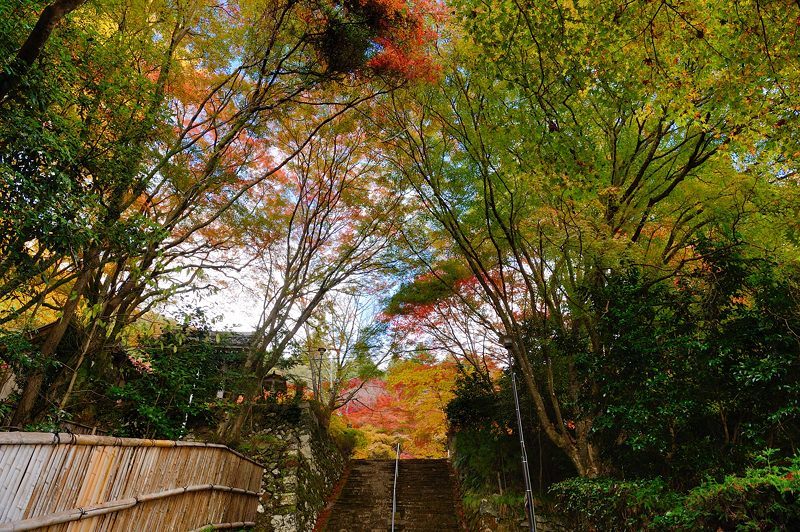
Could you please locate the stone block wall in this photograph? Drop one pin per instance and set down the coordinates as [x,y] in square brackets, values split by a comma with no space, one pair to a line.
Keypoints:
[302,464]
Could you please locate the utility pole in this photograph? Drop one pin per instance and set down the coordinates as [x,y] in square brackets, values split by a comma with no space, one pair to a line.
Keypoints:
[508,343]
[330,373]
[321,355]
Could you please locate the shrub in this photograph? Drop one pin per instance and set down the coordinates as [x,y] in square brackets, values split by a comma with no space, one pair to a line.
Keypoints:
[345,438]
[764,498]
[171,386]
[606,504]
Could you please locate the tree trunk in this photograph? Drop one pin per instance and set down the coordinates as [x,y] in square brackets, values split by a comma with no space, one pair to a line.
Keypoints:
[32,47]
[585,456]
[231,429]
[577,445]
[33,386]
[85,348]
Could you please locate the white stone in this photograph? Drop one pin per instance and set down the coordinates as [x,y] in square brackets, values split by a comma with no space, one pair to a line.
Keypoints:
[288,498]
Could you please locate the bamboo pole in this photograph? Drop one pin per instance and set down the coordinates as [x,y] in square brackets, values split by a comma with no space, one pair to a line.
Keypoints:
[224,526]
[53,438]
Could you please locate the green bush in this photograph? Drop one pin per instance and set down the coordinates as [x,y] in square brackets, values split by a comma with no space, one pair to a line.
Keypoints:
[171,386]
[763,498]
[345,438]
[606,504]
[508,504]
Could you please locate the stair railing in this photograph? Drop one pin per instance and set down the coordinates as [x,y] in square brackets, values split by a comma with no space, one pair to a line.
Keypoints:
[394,488]
[508,343]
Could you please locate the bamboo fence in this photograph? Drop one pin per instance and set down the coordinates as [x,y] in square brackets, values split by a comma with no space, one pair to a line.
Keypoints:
[77,482]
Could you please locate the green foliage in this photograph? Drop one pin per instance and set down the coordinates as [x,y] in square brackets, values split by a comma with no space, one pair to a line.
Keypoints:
[346,438]
[18,359]
[605,504]
[515,502]
[485,443]
[762,498]
[49,423]
[71,141]
[17,353]
[154,400]
[427,289]
[571,141]
[475,405]
[700,372]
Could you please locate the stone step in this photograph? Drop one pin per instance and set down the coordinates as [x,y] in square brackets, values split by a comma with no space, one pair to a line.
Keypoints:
[426,500]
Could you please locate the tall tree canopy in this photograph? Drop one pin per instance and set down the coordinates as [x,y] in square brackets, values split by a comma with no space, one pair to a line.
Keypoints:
[570,141]
[133,132]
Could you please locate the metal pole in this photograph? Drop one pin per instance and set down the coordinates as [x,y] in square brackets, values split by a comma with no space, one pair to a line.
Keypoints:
[330,373]
[320,376]
[394,489]
[526,473]
[191,398]
[531,511]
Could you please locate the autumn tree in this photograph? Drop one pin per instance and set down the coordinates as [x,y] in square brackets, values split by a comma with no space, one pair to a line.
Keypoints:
[445,310]
[155,140]
[322,225]
[327,222]
[344,346]
[66,177]
[407,406]
[573,140]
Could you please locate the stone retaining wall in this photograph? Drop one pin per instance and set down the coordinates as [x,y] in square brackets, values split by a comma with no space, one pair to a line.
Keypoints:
[302,464]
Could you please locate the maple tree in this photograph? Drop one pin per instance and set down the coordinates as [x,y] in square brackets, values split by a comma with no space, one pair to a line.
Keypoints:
[356,347]
[445,311]
[406,406]
[322,224]
[155,141]
[568,141]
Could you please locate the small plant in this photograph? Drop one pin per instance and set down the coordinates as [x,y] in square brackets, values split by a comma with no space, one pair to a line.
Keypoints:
[346,439]
[171,385]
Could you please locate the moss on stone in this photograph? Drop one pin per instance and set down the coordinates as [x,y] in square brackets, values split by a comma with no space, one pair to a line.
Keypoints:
[302,464]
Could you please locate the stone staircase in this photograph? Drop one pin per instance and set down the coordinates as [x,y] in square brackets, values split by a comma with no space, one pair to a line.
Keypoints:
[425,498]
